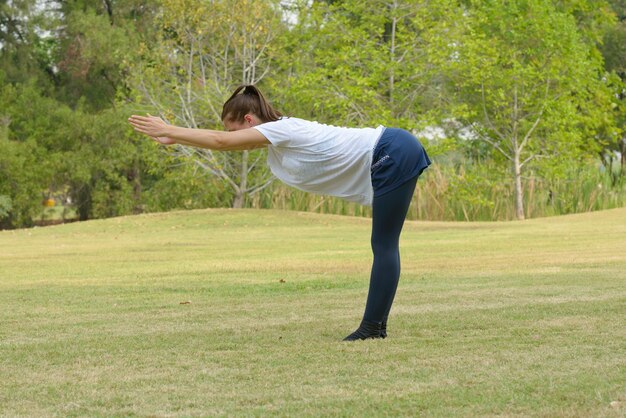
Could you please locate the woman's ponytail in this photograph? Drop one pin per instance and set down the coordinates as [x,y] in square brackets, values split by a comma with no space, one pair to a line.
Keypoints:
[249,99]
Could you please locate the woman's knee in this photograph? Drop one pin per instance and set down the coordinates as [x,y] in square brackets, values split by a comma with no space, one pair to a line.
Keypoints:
[385,249]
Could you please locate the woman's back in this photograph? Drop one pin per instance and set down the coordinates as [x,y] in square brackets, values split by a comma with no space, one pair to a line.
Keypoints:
[322,158]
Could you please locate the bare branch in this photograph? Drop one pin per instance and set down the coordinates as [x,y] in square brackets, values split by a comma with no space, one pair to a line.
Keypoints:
[515,111]
[532,157]
[256,161]
[190,72]
[496,146]
[256,189]
[488,119]
[532,129]
[187,116]
[152,101]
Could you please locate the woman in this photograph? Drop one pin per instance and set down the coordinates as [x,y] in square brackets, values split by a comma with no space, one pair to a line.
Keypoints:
[377,167]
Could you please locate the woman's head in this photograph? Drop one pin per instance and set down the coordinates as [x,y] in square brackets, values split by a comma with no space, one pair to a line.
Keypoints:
[248,106]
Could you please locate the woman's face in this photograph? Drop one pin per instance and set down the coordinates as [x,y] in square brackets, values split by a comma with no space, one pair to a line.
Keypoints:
[249,120]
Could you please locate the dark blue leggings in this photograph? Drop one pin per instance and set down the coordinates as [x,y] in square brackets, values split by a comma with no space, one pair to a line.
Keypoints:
[388,214]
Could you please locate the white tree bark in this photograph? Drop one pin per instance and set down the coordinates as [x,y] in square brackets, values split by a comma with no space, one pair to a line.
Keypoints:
[205,64]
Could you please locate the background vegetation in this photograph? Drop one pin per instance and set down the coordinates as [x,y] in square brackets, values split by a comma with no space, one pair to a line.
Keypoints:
[520,103]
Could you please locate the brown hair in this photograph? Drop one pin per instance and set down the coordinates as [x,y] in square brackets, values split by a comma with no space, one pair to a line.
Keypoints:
[248,99]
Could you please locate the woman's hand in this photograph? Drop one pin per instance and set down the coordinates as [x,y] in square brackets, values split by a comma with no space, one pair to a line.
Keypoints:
[161,132]
[164,140]
[152,126]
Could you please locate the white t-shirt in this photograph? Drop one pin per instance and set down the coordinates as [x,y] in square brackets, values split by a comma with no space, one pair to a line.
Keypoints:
[322,158]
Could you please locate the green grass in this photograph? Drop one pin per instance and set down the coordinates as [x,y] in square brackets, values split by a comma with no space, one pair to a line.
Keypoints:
[490,319]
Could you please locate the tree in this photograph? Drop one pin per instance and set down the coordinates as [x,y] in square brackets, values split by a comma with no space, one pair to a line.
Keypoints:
[94,44]
[369,62]
[24,166]
[24,49]
[614,53]
[204,51]
[524,71]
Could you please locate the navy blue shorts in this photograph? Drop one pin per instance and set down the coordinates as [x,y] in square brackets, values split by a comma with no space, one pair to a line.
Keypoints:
[398,157]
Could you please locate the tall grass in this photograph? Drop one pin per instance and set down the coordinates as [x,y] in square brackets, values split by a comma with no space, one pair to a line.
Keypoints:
[472,193]
[482,195]
[445,192]
[280,196]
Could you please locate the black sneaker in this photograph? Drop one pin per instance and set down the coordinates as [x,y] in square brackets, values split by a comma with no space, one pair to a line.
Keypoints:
[365,331]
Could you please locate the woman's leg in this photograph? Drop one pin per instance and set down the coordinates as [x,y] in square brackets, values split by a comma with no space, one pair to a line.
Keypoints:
[388,214]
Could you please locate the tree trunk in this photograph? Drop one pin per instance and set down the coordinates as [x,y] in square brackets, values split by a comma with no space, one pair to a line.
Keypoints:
[392,51]
[109,9]
[622,171]
[240,194]
[238,200]
[136,181]
[519,193]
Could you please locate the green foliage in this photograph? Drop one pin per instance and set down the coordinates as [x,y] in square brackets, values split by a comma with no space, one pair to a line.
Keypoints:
[531,83]
[94,159]
[367,63]
[485,70]
[94,46]
[24,164]
[192,67]
[6,205]
[614,48]
[614,53]
[183,186]
[22,55]
[21,180]
[478,192]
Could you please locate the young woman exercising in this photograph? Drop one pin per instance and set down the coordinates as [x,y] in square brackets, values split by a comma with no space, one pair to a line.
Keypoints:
[371,166]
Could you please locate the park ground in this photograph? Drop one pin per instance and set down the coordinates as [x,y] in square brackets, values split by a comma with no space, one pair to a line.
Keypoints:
[242,312]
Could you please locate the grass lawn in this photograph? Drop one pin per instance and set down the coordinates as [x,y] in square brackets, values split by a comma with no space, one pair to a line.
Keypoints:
[241,313]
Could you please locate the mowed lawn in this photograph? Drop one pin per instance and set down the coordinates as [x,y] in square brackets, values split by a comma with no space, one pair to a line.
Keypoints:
[242,312]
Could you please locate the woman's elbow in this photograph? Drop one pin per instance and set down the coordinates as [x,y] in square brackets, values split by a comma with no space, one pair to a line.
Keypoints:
[220,144]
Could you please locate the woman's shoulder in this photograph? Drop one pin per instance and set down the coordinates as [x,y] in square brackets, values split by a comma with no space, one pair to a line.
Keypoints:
[284,123]
[306,124]
[290,120]
[290,124]
[295,126]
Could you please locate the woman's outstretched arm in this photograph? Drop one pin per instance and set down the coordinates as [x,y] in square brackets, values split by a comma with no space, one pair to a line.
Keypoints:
[166,134]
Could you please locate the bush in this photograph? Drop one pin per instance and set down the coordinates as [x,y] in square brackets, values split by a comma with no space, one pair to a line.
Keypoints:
[6,205]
